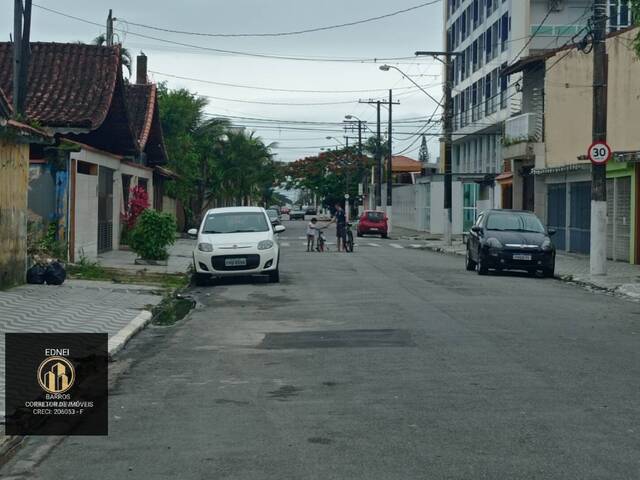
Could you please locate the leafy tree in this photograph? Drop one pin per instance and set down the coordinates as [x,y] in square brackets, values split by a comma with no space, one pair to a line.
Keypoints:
[125,55]
[217,164]
[425,157]
[635,15]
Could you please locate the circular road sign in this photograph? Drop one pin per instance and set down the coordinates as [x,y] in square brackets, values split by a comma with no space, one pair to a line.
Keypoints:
[346,195]
[599,153]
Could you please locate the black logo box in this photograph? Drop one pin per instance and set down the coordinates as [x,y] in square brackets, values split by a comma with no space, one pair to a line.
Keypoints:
[81,410]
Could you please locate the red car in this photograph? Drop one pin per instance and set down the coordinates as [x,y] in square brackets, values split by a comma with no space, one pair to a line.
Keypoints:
[372,222]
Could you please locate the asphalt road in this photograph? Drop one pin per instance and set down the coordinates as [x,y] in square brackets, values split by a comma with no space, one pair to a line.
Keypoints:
[389,363]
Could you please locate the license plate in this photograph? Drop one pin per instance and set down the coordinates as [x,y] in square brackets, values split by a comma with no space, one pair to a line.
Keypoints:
[235,262]
[518,256]
[373,229]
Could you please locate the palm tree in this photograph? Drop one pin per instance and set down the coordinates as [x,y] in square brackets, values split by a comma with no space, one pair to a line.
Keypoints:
[125,55]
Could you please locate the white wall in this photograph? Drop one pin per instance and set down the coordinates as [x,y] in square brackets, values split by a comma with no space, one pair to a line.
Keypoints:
[86,217]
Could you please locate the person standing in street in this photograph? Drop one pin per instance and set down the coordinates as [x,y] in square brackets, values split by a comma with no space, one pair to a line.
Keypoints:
[340,219]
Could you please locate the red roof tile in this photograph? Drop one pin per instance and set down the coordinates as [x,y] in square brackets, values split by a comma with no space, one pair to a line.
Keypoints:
[77,90]
[142,102]
[69,84]
[404,164]
[5,106]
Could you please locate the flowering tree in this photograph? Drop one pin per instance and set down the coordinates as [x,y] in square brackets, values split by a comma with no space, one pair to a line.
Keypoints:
[138,203]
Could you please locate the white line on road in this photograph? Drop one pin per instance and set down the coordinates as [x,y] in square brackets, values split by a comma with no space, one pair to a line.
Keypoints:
[395,245]
[415,245]
[373,244]
[285,244]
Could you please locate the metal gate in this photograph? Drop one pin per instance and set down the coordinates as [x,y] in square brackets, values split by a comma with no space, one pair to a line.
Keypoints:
[105,209]
[619,218]
[557,213]
[580,219]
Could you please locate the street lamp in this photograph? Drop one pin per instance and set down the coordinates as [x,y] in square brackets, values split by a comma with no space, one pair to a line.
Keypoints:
[386,68]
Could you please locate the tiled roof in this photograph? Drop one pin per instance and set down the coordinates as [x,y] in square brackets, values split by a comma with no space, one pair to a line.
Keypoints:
[77,90]
[5,107]
[69,84]
[404,164]
[142,102]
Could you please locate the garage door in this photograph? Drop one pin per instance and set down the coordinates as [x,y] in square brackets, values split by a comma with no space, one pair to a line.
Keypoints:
[619,218]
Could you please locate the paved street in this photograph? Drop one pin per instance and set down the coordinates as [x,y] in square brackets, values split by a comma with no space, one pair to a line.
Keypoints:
[389,363]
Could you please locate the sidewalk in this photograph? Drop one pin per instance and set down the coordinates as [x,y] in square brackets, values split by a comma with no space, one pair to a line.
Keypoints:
[622,278]
[180,257]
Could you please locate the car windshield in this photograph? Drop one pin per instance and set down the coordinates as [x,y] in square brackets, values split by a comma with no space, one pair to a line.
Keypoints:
[517,222]
[272,213]
[375,216]
[235,222]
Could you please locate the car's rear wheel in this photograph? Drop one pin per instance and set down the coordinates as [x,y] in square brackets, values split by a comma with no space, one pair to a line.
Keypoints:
[469,264]
[358,234]
[383,235]
[550,272]
[274,276]
[481,266]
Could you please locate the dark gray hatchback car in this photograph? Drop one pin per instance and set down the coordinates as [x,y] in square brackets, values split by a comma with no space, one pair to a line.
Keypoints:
[510,240]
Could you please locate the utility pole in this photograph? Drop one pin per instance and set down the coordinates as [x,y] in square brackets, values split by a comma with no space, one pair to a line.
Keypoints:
[598,251]
[109,39]
[448,132]
[348,166]
[390,164]
[21,53]
[378,180]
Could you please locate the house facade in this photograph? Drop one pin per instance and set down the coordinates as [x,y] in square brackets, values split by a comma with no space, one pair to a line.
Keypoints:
[490,36]
[77,93]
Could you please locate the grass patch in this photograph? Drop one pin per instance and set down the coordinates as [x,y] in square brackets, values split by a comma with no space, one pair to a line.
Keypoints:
[95,271]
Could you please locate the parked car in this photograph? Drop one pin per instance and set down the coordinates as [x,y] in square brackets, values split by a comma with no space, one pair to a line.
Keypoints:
[311,211]
[296,215]
[510,240]
[274,217]
[372,222]
[236,241]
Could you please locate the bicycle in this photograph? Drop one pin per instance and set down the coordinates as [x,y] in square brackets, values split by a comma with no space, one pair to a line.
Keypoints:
[348,238]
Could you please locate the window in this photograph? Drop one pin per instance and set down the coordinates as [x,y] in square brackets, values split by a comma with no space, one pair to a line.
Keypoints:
[488,46]
[505,31]
[236,222]
[522,222]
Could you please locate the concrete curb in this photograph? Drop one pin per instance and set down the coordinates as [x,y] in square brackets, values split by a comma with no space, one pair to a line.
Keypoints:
[120,339]
[9,444]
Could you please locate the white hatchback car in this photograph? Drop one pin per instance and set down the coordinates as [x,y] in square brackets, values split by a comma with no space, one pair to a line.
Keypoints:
[236,241]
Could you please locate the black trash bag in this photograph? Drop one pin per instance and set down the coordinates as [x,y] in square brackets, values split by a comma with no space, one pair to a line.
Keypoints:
[36,274]
[55,274]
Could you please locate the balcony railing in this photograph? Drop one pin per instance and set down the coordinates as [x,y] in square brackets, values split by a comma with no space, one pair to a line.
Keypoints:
[522,128]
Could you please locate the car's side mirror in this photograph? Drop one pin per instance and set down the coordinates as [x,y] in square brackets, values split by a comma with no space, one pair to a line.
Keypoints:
[477,229]
[192,232]
[279,229]
[551,231]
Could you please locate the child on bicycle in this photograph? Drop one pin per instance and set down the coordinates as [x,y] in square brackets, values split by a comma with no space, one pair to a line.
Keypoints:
[312,233]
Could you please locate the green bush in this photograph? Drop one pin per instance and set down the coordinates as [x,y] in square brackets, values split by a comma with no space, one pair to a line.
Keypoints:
[153,233]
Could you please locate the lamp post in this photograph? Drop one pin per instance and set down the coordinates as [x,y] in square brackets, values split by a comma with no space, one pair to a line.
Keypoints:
[347,165]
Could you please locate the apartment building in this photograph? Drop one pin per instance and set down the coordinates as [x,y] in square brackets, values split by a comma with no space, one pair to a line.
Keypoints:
[491,35]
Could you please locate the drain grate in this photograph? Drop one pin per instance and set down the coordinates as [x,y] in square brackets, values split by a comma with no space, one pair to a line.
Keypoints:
[337,339]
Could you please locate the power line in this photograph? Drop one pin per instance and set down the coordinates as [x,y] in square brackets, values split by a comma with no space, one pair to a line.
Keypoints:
[232,52]
[282,34]
[252,87]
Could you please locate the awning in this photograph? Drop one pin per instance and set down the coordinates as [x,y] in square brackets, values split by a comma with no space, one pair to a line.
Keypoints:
[562,169]
[505,178]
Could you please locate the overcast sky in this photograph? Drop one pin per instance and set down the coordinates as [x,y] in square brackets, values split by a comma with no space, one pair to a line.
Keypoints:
[398,36]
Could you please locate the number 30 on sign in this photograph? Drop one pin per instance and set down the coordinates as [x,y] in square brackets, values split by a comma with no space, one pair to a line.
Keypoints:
[599,153]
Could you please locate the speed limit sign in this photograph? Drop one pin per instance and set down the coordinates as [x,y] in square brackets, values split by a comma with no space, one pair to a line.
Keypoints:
[599,153]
